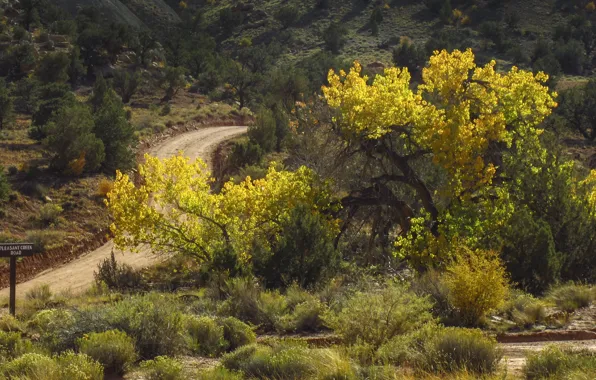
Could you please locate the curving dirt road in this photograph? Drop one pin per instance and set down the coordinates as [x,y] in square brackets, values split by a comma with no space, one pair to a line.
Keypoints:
[77,275]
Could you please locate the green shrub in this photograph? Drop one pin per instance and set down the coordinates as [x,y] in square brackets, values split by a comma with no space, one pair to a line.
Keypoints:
[9,323]
[40,294]
[557,363]
[432,284]
[118,276]
[374,317]
[113,349]
[287,15]
[524,309]
[162,368]
[304,253]
[306,317]
[237,333]
[218,374]
[153,320]
[407,349]
[206,336]
[44,239]
[334,37]
[31,366]
[455,350]
[78,366]
[288,361]
[409,55]
[247,302]
[467,278]
[571,297]
[12,345]
[242,300]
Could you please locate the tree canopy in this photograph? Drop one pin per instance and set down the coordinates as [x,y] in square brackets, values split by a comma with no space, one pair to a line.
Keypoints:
[176,211]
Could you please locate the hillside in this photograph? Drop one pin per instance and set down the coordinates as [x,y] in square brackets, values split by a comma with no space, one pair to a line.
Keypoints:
[153,14]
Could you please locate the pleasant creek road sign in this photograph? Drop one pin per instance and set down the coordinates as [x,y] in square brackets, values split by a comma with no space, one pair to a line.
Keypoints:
[14,250]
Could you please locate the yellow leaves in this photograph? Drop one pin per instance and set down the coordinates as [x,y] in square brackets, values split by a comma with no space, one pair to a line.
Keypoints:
[175,209]
[457,112]
[372,111]
[590,184]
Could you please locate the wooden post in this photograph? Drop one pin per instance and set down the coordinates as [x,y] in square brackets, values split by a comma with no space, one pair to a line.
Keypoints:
[12,251]
[13,285]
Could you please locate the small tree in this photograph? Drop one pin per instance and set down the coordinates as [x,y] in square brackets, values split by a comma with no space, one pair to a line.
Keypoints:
[335,37]
[172,81]
[287,15]
[126,84]
[50,98]
[143,44]
[230,19]
[407,54]
[263,131]
[304,253]
[100,89]
[6,104]
[116,133]
[242,82]
[76,69]
[71,140]
[53,68]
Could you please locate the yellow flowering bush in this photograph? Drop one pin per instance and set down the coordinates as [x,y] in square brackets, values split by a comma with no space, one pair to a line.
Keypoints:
[176,211]
[477,283]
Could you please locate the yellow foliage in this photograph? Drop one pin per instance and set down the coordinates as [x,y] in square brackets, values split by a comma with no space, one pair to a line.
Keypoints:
[77,166]
[590,183]
[456,113]
[182,5]
[175,210]
[457,14]
[105,186]
[477,282]
[591,7]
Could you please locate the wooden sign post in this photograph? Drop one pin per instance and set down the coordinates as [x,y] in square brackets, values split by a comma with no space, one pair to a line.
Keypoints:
[14,250]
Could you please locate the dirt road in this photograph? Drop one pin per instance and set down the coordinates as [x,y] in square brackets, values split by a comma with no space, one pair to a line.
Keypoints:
[77,275]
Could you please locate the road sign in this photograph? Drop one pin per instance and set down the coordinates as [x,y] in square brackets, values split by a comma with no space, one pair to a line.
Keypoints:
[14,250]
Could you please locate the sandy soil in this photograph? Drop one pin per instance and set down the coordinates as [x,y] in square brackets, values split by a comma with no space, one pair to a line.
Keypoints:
[77,275]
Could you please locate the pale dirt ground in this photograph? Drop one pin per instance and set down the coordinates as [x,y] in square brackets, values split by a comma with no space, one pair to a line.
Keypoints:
[77,276]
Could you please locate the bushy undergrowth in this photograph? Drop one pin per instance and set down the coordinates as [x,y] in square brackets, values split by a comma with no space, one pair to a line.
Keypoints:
[524,310]
[571,297]
[288,361]
[206,336]
[163,368]
[153,321]
[12,345]
[118,276]
[68,365]
[113,349]
[237,333]
[372,318]
[296,311]
[442,350]
[455,349]
[560,363]
[218,374]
